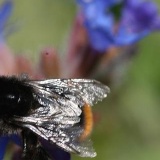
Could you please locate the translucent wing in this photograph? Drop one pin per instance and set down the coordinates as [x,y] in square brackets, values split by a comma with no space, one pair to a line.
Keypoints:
[57,116]
[78,91]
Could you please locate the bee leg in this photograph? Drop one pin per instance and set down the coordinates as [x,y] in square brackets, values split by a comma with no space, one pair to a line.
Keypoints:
[32,149]
[29,144]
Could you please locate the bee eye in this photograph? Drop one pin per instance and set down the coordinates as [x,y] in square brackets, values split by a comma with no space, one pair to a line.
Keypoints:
[12,98]
[14,102]
[8,102]
[8,98]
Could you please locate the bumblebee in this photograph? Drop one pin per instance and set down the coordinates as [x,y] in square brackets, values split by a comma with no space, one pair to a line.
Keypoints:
[55,110]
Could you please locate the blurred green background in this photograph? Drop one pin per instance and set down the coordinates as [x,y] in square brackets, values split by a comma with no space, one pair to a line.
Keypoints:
[129,119]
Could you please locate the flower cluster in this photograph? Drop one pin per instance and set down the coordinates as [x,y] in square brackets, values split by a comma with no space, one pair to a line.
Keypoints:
[106,34]
[118,22]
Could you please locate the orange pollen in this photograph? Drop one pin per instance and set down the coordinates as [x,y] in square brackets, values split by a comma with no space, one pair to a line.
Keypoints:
[88,122]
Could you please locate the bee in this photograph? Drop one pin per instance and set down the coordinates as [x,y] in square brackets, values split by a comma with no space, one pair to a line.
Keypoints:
[55,110]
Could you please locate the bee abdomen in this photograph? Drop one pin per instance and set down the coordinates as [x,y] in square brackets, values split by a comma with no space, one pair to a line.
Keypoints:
[87,121]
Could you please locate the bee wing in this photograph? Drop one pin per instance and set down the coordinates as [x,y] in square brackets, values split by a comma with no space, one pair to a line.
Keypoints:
[79,91]
[62,130]
[58,115]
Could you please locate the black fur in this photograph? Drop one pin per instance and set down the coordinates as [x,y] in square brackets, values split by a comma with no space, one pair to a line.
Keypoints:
[15,97]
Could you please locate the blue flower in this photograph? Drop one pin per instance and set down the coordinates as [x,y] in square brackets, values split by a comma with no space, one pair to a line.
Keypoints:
[118,22]
[4,140]
[5,12]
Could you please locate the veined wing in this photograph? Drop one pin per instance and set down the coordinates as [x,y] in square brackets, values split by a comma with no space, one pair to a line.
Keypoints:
[79,91]
[57,117]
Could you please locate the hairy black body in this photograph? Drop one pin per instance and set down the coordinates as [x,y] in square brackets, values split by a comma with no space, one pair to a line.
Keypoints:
[16,98]
[51,110]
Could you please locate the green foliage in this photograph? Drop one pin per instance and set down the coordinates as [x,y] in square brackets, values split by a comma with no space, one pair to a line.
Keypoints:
[40,23]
